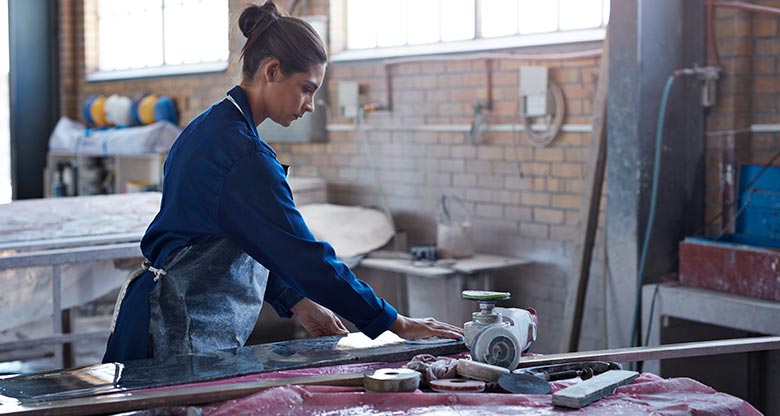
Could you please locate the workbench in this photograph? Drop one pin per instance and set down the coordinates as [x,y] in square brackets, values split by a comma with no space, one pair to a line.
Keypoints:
[434,289]
[708,307]
[319,376]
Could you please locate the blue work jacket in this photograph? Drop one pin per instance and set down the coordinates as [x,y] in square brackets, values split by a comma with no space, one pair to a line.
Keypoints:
[221,180]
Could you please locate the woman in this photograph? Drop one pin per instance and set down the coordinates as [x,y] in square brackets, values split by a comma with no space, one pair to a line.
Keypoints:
[228,235]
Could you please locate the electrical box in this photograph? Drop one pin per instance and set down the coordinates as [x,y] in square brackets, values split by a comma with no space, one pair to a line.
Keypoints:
[533,90]
[348,98]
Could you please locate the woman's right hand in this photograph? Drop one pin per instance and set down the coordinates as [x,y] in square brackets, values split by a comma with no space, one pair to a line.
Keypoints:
[416,328]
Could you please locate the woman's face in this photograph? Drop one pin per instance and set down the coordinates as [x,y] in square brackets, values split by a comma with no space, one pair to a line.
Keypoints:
[293,96]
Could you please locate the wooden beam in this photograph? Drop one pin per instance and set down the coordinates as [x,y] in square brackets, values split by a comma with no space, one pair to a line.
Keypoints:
[577,283]
[661,352]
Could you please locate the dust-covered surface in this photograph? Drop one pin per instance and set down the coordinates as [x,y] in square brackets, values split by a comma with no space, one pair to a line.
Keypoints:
[83,216]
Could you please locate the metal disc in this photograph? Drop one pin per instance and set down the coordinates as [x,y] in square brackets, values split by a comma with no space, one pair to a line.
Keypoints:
[484,295]
[523,384]
[459,385]
[497,345]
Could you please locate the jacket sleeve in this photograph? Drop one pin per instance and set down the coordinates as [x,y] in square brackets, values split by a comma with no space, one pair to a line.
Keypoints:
[281,296]
[256,210]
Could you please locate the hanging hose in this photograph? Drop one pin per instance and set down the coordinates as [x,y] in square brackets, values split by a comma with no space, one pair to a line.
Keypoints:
[635,337]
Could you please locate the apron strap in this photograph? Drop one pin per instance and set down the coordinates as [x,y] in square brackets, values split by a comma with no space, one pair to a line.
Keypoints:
[147,265]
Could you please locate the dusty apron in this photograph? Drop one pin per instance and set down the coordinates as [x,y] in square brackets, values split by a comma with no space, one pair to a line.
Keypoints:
[207,298]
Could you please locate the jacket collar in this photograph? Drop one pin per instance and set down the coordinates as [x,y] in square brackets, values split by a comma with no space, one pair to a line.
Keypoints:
[238,96]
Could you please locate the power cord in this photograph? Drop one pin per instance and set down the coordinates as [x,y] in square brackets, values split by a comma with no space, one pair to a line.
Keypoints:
[546,137]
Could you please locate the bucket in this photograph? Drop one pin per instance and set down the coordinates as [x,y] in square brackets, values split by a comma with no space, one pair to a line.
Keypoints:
[453,236]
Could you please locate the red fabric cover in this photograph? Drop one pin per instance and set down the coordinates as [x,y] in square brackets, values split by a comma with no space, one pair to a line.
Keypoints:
[648,394]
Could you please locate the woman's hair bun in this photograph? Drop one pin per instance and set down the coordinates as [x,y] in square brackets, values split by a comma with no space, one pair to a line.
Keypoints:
[253,16]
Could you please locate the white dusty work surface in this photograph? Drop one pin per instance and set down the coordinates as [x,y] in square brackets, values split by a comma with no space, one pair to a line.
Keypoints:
[42,220]
[58,225]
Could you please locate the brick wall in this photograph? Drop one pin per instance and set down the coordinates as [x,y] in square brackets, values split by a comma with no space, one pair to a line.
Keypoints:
[523,200]
[749,48]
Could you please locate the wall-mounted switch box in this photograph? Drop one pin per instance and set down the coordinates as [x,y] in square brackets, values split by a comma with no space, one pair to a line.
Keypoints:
[533,90]
[348,98]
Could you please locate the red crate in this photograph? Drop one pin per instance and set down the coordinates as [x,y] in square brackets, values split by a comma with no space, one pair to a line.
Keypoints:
[728,267]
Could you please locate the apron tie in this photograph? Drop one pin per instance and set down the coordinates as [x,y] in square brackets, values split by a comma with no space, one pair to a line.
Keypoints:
[147,265]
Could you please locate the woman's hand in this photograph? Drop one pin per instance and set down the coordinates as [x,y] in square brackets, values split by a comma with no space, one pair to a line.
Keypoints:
[416,328]
[318,320]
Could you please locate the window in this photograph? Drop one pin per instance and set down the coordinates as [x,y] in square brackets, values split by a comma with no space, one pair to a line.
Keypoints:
[126,39]
[5,128]
[407,24]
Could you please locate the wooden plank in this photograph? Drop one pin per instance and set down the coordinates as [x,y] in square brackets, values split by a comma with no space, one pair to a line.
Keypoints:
[662,352]
[591,390]
[125,402]
[589,213]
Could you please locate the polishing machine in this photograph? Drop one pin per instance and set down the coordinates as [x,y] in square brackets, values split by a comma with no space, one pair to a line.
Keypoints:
[495,335]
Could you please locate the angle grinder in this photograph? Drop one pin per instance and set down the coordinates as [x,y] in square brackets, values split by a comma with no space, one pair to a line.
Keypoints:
[498,336]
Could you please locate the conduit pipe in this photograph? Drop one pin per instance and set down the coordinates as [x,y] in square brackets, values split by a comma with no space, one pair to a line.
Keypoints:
[712,49]
[741,5]
[489,57]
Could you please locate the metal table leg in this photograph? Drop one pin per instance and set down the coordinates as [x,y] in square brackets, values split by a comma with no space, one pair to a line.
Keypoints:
[56,287]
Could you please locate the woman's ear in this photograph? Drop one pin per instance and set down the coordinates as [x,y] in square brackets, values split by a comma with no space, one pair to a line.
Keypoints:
[272,70]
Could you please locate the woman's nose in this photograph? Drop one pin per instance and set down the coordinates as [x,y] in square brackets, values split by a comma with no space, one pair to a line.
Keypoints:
[308,104]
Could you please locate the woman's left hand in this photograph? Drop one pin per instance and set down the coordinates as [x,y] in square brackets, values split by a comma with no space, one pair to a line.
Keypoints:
[318,321]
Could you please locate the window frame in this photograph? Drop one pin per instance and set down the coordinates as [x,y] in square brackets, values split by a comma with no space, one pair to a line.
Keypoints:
[94,74]
[477,44]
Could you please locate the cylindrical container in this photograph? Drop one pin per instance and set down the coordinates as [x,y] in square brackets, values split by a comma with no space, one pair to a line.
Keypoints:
[98,111]
[165,109]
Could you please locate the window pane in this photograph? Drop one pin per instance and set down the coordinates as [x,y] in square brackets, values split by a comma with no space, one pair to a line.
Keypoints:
[129,34]
[538,16]
[195,22]
[361,24]
[424,22]
[457,20]
[580,14]
[499,18]
[391,28]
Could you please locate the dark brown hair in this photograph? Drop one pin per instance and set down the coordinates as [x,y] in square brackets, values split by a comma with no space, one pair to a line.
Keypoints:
[271,33]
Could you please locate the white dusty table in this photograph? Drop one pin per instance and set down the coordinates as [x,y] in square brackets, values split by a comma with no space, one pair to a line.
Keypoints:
[434,290]
[57,253]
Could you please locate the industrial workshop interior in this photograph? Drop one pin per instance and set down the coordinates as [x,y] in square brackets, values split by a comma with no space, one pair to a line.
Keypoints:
[376,207]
